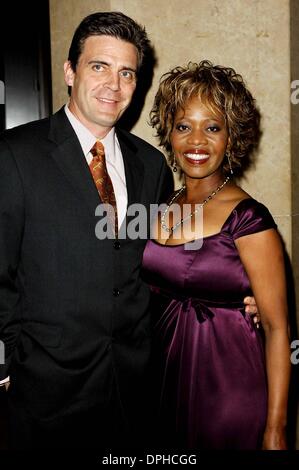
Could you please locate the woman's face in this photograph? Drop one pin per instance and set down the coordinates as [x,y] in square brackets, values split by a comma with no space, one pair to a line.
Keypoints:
[199,139]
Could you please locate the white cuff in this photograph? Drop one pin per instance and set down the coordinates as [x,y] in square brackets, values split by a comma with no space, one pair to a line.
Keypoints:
[4,381]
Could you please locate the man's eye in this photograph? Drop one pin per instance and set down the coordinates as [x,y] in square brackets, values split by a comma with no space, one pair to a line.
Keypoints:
[213,129]
[127,74]
[97,67]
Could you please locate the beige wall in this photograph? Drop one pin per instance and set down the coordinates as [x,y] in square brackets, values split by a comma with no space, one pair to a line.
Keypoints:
[254,37]
[294,67]
[249,35]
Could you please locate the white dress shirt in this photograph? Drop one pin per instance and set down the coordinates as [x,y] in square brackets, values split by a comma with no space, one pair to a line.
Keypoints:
[114,160]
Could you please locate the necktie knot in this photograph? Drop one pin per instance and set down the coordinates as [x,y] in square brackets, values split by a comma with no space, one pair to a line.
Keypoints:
[98,150]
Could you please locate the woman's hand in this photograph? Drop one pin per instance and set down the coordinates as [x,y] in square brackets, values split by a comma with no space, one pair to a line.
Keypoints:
[275,439]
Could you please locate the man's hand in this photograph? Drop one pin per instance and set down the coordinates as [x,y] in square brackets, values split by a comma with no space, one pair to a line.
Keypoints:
[251,308]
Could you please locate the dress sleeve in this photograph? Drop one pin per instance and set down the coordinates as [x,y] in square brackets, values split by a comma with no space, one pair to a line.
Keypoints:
[248,217]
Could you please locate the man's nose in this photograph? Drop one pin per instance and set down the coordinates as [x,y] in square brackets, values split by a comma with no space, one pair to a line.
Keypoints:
[113,81]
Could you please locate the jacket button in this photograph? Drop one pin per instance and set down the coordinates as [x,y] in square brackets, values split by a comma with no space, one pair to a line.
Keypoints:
[117,245]
[116,292]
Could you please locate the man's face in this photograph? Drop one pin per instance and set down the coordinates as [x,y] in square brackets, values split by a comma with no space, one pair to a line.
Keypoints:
[103,83]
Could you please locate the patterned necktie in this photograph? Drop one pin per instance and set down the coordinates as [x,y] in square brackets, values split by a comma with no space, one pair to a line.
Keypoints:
[103,181]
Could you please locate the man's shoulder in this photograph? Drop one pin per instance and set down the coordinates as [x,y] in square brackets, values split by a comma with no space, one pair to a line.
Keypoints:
[26,130]
[31,131]
[139,143]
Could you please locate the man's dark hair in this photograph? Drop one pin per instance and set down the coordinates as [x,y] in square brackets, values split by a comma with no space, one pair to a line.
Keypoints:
[113,24]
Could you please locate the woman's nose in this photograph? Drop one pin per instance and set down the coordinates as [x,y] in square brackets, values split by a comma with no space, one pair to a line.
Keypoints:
[197,137]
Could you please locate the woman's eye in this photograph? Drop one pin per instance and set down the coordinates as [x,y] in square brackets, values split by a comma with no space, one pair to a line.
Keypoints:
[213,128]
[181,127]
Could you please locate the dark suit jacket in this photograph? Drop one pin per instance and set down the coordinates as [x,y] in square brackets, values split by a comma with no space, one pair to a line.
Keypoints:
[73,309]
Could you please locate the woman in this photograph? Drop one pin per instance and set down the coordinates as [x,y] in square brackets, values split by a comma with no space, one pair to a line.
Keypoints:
[220,388]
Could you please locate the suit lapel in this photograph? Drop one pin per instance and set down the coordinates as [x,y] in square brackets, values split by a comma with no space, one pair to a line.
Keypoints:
[69,157]
[134,170]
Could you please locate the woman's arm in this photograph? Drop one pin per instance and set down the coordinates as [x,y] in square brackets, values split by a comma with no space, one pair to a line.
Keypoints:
[262,256]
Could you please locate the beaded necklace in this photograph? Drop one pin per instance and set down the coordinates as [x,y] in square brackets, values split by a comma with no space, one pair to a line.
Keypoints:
[189,216]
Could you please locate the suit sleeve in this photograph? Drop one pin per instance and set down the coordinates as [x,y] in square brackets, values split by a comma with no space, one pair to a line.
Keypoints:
[165,183]
[11,231]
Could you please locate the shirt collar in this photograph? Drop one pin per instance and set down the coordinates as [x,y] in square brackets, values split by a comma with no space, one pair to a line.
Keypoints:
[86,138]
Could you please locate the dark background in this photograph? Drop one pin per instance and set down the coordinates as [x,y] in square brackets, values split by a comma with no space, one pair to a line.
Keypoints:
[25,70]
[25,64]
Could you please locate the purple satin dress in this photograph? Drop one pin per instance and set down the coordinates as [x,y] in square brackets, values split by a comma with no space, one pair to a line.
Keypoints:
[213,390]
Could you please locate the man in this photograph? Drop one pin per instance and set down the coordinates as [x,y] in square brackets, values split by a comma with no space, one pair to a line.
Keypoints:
[73,309]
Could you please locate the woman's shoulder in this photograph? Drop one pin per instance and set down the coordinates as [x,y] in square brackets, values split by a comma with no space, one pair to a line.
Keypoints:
[248,216]
[240,202]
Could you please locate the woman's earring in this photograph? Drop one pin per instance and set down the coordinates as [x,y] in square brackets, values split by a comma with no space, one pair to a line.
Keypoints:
[174,167]
[229,162]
